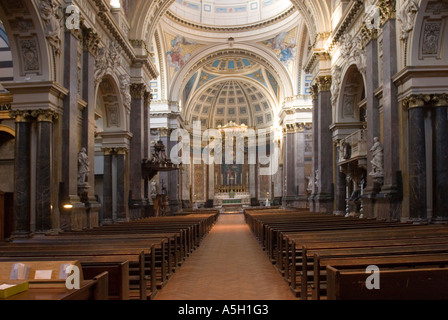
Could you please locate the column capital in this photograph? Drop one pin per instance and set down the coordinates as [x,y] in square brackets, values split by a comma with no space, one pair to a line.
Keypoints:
[290,128]
[368,34]
[121,150]
[147,96]
[44,115]
[387,10]
[314,92]
[20,115]
[90,41]
[164,132]
[440,100]
[115,150]
[323,83]
[138,90]
[416,100]
[107,151]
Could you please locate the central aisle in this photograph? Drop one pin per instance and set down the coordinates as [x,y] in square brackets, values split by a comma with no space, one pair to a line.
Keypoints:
[228,265]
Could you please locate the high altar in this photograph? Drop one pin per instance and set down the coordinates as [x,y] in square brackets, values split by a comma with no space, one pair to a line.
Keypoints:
[232,178]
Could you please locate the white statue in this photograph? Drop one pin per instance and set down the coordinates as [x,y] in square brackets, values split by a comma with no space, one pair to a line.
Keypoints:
[153,186]
[83,166]
[310,184]
[52,24]
[377,159]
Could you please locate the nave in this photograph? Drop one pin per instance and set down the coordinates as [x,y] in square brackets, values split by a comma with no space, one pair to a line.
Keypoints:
[228,265]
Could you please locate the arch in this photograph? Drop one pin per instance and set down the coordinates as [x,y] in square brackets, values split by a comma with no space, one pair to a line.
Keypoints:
[351,93]
[187,111]
[206,56]
[427,44]
[146,15]
[7,129]
[110,102]
[31,52]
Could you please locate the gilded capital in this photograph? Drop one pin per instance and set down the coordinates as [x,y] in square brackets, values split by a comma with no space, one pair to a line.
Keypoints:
[20,115]
[416,101]
[323,83]
[147,96]
[137,90]
[387,9]
[44,115]
[107,151]
[314,92]
[121,150]
[368,34]
[440,100]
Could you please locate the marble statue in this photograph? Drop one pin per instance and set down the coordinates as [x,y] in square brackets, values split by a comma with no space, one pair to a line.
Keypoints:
[83,166]
[377,159]
[153,188]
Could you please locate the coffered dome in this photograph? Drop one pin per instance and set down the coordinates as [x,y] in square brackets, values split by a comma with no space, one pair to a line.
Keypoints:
[236,101]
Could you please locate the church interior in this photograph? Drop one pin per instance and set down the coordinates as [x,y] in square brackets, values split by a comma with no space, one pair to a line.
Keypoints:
[223,149]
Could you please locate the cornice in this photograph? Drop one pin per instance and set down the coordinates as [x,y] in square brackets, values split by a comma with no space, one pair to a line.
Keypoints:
[111,25]
[318,54]
[224,29]
[348,18]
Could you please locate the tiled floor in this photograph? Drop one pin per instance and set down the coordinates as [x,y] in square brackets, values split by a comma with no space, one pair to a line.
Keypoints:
[228,265]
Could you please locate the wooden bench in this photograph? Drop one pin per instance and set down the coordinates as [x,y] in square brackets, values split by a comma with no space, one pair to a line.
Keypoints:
[141,277]
[47,281]
[395,284]
[394,251]
[295,241]
[291,239]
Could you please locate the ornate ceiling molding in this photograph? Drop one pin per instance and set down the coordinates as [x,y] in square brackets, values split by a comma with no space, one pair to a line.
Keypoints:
[111,25]
[224,29]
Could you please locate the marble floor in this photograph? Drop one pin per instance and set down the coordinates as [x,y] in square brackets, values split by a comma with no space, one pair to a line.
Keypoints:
[228,265]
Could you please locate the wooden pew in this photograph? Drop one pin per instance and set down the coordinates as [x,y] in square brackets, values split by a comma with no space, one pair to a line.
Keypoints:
[141,279]
[53,287]
[305,238]
[395,284]
[152,248]
[318,254]
[280,232]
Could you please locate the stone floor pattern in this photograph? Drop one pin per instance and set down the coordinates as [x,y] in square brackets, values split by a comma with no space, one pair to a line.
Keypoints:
[228,265]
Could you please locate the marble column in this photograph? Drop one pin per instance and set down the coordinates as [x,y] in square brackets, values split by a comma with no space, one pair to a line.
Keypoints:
[315,145]
[300,184]
[440,171]
[417,164]
[43,171]
[75,218]
[122,200]
[325,194]
[136,150]
[289,167]
[373,120]
[146,141]
[90,46]
[22,175]
[340,190]
[390,207]
[107,188]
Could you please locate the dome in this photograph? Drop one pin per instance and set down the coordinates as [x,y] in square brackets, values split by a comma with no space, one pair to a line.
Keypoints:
[228,13]
[234,101]
[231,65]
